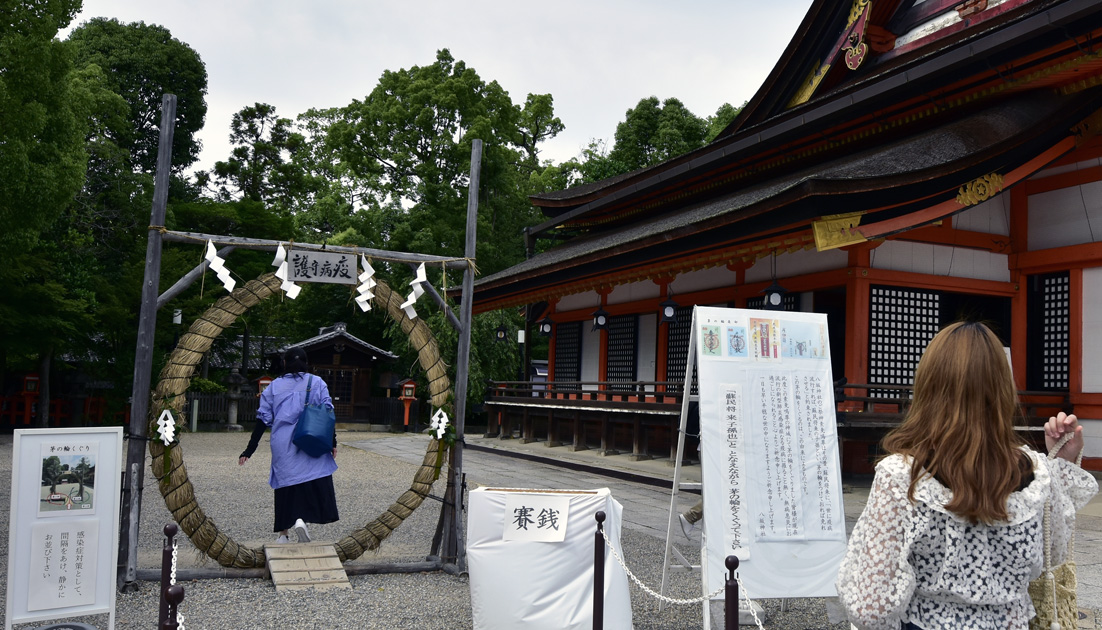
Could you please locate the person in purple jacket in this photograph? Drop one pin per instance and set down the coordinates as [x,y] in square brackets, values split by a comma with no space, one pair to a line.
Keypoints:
[303,484]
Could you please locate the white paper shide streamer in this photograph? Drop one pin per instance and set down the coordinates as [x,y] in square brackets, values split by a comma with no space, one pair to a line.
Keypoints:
[218,264]
[439,423]
[283,273]
[367,283]
[166,427]
[417,292]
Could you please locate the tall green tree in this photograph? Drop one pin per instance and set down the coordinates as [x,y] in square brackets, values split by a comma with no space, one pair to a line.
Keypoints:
[142,62]
[261,166]
[43,120]
[652,132]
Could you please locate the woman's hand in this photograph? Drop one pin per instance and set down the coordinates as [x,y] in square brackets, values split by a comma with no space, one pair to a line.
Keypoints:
[241,460]
[1055,429]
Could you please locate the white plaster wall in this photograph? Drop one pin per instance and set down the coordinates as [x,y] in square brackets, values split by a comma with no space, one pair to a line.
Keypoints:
[647,349]
[578,301]
[703,280]
[633,292]
[941,260]
[797,263]
[1068,216]
[991,216]
[1092,437]
[1068,168]
[1092,330]
[591,352]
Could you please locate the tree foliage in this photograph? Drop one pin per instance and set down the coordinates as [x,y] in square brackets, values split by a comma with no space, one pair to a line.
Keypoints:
[43,120]
[143,62]
[261,166]
[651,133]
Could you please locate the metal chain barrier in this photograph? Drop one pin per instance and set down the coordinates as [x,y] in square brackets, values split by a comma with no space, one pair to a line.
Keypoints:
[672,600]
[172,582]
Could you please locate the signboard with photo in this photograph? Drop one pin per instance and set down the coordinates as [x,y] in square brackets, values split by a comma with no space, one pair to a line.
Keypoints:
[63,534]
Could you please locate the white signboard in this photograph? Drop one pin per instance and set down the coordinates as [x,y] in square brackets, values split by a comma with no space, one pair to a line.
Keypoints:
[770,465]
[64,525]
[536,517]
[322,267]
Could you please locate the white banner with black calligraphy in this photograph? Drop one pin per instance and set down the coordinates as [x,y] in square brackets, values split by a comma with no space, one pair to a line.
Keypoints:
[322,267]
[769,444]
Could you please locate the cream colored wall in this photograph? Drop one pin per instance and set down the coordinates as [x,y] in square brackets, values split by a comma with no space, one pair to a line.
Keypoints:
[941,260]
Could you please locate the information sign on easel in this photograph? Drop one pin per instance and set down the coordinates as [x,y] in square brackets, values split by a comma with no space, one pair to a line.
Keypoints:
[63,534]
[770,464]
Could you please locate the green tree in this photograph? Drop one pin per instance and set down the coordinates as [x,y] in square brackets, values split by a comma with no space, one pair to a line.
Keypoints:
[43,121]
[261,165]
[142,63]
[652,133]
[51,472]
[537,123]
[719,121]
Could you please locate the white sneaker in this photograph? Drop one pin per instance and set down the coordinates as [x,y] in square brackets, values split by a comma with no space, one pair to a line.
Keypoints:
[300,530]
[687,528]
[282,540]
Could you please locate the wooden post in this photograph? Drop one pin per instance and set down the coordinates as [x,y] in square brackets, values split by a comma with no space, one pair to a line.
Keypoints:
[454,545]
[143,356]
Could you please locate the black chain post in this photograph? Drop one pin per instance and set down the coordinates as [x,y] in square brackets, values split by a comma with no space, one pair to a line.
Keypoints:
[599,573]
[166,573]
[730,595]
[175,595]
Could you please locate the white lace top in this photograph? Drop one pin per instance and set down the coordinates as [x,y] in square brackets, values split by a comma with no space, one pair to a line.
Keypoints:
[919,563]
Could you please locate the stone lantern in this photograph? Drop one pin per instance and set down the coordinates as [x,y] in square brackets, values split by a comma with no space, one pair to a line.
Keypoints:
[233,383]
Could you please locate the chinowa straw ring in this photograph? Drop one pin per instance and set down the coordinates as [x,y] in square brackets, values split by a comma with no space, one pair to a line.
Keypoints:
[176,488]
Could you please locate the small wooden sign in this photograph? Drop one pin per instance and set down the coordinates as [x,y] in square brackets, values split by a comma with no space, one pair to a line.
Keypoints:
[322,267]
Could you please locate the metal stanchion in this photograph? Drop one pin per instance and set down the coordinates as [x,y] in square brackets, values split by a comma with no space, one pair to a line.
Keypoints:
[166,574]
[730,595]
[599,573]
[174,594]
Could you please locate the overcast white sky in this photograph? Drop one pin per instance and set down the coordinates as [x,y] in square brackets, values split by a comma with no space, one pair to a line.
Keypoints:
[596,57]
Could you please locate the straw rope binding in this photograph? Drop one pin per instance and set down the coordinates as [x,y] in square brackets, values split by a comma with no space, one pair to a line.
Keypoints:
[176,488]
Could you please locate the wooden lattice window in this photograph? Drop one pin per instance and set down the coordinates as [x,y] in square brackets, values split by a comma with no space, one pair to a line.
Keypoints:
[677,348]
[568,353]
[1048,327]
[623,349]
[902,322]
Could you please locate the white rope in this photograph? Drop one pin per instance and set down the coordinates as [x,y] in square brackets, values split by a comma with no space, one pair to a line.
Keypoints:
[671,600]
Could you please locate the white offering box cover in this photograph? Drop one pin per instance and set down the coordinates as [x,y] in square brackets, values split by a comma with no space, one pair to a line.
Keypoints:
[521,578]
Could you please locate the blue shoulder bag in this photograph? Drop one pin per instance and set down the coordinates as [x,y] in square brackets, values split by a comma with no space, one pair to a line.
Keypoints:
[315,428]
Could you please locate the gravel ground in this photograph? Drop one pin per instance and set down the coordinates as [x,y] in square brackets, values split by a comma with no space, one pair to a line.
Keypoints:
[239,500]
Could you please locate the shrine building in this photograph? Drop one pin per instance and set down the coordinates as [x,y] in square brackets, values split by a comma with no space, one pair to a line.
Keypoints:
[905,164]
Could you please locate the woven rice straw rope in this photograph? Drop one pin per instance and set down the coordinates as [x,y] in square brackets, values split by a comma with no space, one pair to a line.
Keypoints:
[176,488]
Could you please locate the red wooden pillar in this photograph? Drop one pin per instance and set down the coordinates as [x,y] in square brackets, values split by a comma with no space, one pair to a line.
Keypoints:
[857,314]
[1019,244]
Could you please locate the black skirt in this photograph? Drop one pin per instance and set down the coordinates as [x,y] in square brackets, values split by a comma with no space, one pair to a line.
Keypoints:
[313,501]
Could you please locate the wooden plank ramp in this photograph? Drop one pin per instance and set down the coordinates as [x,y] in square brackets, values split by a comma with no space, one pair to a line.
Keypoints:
[297,566]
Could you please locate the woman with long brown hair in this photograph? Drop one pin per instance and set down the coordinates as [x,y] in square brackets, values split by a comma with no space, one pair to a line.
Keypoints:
[952,531]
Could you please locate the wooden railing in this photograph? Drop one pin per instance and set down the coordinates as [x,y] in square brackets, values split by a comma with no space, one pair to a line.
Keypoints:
[571,412]
[583,414]
[883,406]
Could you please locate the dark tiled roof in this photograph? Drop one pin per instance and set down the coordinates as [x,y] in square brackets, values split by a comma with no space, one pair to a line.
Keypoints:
[334,332]
[915,158]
